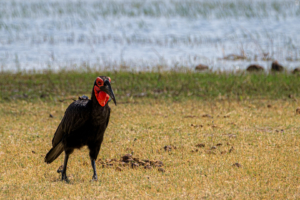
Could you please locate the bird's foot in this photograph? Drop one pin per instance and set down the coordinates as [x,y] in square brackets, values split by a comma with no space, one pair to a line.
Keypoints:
[95,178]
[65,178]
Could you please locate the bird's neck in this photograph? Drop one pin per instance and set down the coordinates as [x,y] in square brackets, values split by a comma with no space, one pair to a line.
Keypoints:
[96,103]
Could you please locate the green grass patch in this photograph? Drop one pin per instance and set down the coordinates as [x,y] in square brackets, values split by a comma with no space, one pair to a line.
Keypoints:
[129,85]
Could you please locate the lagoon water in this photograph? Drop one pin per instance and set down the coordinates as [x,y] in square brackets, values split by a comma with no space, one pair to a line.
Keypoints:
[142,35]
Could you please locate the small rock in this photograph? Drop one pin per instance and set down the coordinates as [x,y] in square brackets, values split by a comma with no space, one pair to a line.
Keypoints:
[161,169]
[201,67]
[237,165]
[213,147]
[51,116]
[254,68]
[276,67]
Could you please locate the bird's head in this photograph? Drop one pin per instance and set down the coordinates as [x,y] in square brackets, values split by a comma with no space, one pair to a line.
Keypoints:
[102,90]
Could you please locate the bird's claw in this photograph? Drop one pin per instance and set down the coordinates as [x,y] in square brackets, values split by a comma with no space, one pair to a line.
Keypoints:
[95,178]
[65,178]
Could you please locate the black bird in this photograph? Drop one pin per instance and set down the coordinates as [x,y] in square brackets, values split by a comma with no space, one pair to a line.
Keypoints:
[84,123]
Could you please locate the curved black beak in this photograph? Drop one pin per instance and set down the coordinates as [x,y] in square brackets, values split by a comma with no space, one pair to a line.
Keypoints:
[107,89]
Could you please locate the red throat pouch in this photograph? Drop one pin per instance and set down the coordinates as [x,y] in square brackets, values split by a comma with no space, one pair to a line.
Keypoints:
[101,96]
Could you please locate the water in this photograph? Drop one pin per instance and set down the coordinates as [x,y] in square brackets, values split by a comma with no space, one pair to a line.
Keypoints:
[142,35]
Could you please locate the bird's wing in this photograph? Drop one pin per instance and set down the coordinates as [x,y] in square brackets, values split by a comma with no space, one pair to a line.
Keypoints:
[75,116]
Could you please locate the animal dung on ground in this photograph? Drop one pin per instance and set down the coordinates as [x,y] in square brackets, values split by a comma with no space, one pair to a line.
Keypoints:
[237,165]
[169,147]
[147,167]
[60,169]
[210,152]
[119,169]
[200,145]
[85,163]
[189,116]
[129,161]
[196,126]
[161,169]
[159,162]
[269,106]
[51,116]
[298,111]
[254,68]
[219,144]
[207,115]
[213,147]
[127,158]
[134,165]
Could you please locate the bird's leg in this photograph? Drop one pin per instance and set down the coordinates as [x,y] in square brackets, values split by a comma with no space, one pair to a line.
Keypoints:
[95,177]
[63,174]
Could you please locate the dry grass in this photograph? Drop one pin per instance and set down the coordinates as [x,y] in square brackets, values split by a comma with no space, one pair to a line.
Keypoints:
[263,139]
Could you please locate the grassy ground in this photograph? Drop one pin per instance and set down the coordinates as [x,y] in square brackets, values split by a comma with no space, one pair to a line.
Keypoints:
[263,139]
[260,134]
[167,85]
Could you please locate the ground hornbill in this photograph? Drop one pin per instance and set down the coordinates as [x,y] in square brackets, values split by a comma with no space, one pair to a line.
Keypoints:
[84,123]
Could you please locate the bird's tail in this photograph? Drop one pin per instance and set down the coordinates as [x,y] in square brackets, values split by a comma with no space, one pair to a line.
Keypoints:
[54,153]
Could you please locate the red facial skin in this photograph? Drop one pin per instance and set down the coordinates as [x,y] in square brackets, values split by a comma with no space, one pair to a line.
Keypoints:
[101,96]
